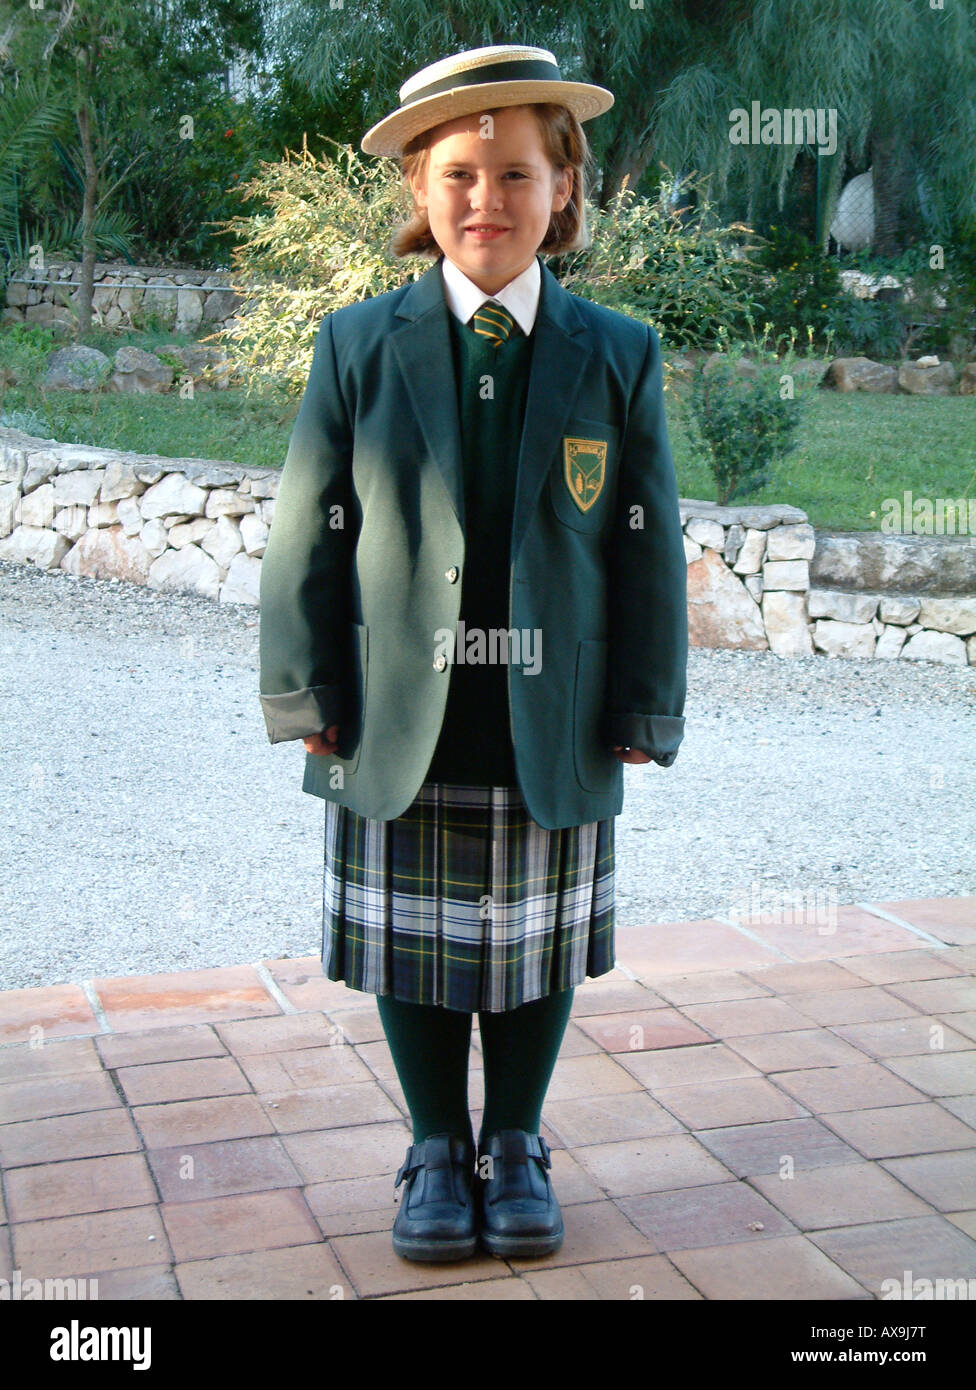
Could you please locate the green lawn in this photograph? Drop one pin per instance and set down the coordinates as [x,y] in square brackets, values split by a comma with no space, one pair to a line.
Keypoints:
[223,425]
[854,450]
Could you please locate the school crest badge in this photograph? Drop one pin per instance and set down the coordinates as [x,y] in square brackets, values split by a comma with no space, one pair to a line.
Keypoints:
[585,469]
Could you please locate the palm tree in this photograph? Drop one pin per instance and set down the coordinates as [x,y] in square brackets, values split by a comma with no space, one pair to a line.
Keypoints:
[29,117]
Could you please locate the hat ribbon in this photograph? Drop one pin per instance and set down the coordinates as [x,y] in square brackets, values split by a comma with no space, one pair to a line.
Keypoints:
[515,70]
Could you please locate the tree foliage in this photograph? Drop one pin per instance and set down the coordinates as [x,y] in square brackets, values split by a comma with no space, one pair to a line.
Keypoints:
[319,241]
[686,273]
[898,75]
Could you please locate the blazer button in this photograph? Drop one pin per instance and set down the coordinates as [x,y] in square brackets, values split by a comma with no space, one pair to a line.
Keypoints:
[440,662]
[451,574]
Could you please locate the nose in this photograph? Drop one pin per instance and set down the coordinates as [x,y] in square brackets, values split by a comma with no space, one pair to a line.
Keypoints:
[486,195]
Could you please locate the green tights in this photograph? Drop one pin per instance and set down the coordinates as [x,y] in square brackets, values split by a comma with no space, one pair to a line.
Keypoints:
[430,1048]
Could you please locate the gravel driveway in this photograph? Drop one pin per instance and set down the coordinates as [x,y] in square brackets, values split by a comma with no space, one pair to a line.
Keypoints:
[148,825]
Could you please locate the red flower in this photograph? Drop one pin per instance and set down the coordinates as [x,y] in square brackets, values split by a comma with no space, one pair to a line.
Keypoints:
[228,134]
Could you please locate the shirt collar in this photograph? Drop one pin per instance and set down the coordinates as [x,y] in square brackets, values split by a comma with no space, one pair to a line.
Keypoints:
[520,296]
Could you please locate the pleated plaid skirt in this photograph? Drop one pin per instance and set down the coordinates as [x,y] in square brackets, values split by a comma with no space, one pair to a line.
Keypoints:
[465,901]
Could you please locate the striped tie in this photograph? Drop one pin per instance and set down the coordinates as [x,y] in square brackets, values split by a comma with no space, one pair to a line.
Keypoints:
[493,321]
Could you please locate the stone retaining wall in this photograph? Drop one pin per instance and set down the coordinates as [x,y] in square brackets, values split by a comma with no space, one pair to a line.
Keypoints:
[183,299]
[196,526]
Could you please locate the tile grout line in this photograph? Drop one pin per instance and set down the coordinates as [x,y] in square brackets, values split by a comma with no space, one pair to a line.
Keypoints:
[630,974]
[759,940]
[900,922]
[95,1004]
[271,985]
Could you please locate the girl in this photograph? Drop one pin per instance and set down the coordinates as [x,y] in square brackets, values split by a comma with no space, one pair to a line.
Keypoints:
[473,612]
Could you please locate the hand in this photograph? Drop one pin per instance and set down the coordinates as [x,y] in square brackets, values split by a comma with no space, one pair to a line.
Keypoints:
[323,744]
[630,755]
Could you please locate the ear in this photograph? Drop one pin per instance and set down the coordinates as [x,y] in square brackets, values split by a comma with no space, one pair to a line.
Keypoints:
[562,189]
[417,185]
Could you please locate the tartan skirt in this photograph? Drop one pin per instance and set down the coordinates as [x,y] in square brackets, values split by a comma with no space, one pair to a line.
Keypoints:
[465,901]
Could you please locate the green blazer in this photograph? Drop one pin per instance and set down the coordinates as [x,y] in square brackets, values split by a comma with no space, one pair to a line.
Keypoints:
[363,561]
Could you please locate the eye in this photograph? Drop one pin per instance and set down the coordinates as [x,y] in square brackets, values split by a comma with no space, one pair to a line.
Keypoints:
[463,173]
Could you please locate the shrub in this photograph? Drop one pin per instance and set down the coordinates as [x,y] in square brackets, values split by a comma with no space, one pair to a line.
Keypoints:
[873,327]
[24,350]
[682,272]
[27,421]
[741,424]
[942,306]
[321,243]
[799,286]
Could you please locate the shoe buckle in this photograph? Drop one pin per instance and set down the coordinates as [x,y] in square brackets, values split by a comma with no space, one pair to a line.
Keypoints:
[407,1166]
[536,1147]
[416,1158]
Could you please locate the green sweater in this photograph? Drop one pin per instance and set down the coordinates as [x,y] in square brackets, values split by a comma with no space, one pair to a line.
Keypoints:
[475,744]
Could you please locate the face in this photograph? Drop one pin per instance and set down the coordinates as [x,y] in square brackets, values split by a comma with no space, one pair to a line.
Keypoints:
[490,200]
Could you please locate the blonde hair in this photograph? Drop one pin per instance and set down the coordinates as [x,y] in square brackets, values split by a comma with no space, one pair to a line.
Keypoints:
[565,146]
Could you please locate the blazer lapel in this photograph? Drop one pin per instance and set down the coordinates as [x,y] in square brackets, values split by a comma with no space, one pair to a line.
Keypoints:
[559,357]
[423,351]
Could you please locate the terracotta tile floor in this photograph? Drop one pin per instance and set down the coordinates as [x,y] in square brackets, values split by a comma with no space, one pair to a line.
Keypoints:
[739,1111]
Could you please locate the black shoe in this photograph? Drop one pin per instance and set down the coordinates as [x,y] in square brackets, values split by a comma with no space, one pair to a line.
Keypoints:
[436,1220]
[517,1208]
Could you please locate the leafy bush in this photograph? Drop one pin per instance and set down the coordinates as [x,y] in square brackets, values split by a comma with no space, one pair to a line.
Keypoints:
[684,273]
[942,305]
[24,350]
[871,327]
[27,421]
[740,421]
[799,285]
[936,311]
[320,242]
[903,266]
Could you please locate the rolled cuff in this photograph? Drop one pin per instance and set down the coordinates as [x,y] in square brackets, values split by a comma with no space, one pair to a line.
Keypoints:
[657,735]
[299,713]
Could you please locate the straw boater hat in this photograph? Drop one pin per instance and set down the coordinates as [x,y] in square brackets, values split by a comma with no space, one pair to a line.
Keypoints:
[481,78]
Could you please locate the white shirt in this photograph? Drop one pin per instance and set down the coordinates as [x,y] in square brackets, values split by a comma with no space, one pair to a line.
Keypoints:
[520,296]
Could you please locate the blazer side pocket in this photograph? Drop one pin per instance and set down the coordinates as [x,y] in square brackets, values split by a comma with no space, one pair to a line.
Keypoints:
[351,730]
[583,478]
[593,761]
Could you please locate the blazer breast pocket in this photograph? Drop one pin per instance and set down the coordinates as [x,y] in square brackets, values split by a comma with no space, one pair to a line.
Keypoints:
[350,745]
[582,479]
